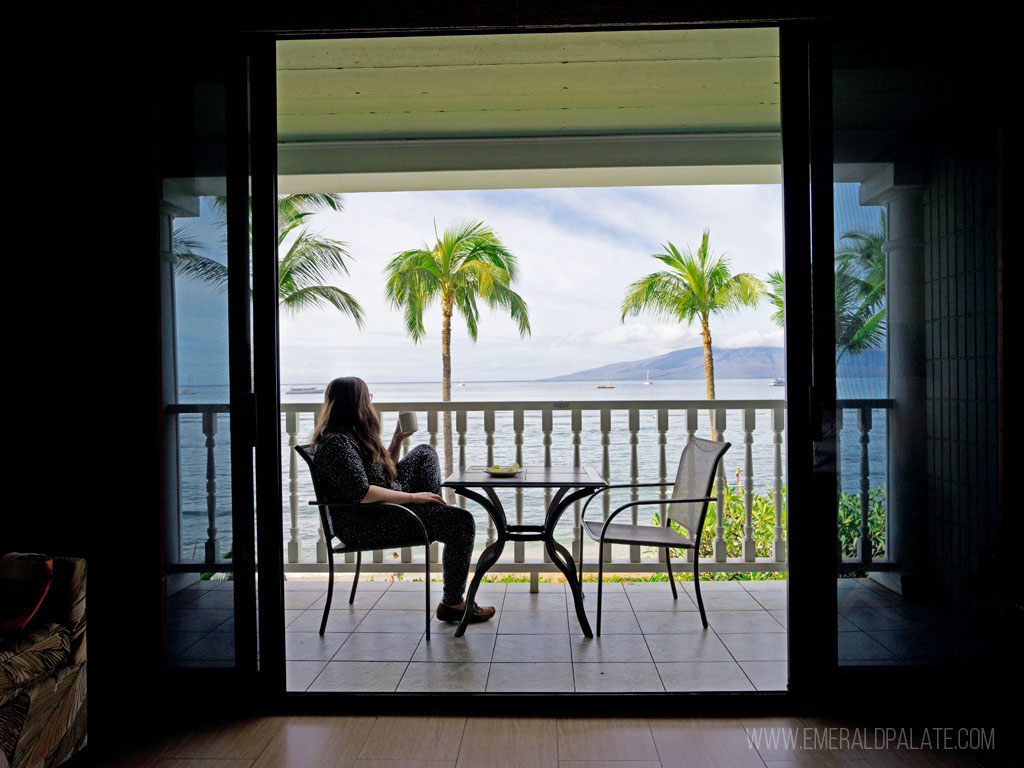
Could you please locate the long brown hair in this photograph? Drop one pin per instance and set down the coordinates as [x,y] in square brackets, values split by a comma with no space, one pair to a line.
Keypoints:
[347,408]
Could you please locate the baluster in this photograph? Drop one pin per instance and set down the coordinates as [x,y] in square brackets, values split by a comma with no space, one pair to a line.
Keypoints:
[634,475]
[691,430]
[778,424]
[545,426]
[662,469]
[576,426]
[291,421]
[840,555]
[460,428]
[606,472]
[210,430]
[517,428]
[864,544]
[749,546]
[718,429]
[492,534]
[432,431]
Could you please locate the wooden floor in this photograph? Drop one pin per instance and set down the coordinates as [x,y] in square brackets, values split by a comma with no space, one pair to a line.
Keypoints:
[317,741]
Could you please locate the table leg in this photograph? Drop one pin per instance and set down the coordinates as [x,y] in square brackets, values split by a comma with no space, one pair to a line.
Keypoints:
[488,558]
[561,557]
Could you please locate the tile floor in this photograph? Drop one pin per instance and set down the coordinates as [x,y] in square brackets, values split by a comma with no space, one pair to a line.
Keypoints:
[533,644]
[649,642]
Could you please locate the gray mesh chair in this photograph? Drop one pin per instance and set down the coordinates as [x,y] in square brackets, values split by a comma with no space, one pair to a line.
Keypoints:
[687,507]
[330,532]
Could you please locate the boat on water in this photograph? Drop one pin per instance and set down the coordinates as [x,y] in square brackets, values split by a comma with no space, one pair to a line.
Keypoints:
[462,382]
[777,383]
[647,381]
[607,384]
[305,389]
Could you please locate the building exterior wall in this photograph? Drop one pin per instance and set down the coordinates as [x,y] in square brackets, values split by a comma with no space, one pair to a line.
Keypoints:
[961,336]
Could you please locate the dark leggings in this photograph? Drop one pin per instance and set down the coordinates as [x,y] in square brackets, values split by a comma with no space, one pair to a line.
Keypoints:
[419,471]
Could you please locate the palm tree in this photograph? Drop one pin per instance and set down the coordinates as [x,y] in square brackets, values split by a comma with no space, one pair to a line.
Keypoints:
[467,261]
[303,271]
[694,287]
[776,296]
[860,290]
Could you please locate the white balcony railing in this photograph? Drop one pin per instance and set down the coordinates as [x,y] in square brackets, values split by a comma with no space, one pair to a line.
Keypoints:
[628,441]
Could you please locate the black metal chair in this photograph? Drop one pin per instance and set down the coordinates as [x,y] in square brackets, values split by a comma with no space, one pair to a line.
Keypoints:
[687,508]
[305,451]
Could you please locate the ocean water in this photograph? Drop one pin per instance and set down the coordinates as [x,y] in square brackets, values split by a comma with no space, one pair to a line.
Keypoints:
[193,489]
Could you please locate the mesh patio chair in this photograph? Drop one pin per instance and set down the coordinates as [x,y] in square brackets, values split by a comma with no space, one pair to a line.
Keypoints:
[687,507]
[306,452]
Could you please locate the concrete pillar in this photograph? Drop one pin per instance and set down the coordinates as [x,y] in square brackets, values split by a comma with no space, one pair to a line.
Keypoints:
[905,328]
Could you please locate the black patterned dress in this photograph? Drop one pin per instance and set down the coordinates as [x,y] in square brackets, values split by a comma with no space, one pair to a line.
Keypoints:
[345,475]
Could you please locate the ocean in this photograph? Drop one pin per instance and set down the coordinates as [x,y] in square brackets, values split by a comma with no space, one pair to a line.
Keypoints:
[193,450]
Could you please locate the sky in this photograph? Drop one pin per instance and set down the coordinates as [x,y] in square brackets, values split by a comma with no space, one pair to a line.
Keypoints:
[578,250]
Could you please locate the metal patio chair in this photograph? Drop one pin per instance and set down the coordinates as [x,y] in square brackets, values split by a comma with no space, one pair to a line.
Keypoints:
[305,451]
[687,507]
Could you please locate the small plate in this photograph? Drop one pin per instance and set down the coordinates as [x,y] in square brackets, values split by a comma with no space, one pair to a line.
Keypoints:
[492,473]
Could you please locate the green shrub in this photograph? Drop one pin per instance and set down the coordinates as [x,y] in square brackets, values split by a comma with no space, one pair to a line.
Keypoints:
[849,522]
[763,522]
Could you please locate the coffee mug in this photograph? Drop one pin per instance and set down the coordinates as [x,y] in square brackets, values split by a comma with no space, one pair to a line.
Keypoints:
[408,422]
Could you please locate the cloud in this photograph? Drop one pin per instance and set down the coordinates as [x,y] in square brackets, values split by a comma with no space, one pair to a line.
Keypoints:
[578,249]
[636,334]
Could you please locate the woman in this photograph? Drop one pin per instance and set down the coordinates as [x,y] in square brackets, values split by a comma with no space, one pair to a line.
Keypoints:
[353,467]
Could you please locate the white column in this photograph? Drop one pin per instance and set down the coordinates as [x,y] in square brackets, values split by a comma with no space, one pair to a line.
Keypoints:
[749,546]
[576,426]
[864,553]
[718,429]
[294,545]
[212,548]
[662,469]
[691,430]
[517,429]
[634,475]
[435,554]
[492,534]
[896,188]
[778,425]
[606,473]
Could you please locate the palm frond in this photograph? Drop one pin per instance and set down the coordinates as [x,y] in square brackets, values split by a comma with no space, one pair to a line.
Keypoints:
[322,297]
[776,295]
[202,268]
[664,294]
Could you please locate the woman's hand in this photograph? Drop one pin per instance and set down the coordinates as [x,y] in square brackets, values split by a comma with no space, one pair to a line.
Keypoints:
[396,440]
[425,497]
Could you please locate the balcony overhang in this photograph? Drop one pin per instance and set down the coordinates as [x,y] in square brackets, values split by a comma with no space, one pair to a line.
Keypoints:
[602,108]
[514,163]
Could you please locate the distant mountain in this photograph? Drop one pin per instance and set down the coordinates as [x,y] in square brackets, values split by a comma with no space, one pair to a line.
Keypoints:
[741,363]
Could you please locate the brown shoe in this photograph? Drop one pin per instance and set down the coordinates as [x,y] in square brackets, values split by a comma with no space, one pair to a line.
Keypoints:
[451,613]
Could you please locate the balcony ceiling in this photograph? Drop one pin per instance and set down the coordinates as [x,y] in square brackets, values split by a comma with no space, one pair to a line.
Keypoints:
[477,104]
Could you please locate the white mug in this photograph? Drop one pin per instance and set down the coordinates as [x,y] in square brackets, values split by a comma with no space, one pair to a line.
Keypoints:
[408,422]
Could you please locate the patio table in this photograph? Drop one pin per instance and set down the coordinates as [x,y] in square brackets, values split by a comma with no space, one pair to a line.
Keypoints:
[573,484]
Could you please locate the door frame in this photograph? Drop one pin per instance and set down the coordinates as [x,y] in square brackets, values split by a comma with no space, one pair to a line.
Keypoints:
[805,73]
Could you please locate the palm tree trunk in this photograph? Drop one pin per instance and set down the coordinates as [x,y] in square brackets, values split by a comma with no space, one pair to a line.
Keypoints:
[709,371]
[447,303]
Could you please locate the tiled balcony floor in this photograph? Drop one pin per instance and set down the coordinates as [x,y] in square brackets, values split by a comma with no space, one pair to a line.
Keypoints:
[878,627]
[534,644]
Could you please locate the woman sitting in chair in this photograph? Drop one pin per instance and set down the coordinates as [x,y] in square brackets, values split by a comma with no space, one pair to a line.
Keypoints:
[353,467]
